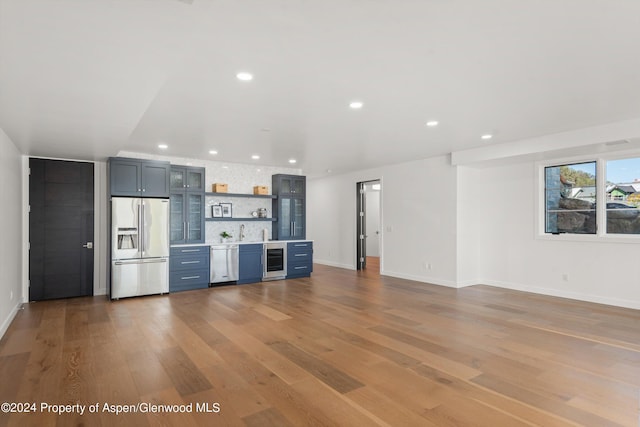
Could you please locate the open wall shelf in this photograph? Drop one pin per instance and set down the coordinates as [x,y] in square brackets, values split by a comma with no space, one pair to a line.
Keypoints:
[241,219]
[255,196]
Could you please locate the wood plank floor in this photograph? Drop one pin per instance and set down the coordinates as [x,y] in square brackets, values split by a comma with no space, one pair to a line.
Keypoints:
[342,348]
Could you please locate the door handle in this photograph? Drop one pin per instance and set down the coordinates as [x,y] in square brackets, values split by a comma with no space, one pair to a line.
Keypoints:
[88,245]
[142,225]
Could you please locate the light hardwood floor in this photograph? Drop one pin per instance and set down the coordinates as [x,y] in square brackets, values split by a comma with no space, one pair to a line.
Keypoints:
[341,348]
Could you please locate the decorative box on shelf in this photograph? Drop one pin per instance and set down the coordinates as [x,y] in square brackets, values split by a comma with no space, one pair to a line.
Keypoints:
[261,189]
[219,188]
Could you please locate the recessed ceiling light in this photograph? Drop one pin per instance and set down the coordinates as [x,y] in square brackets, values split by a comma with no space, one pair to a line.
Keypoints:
[432,123]
[255,157]
[214,152]
[329,170]
[163,146]
[292,161]
[356,105]
[225,167]
[244,76]
[486,136]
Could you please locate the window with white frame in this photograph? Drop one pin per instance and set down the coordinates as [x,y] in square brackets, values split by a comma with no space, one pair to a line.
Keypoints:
[570,198]
[623,196]
[576,198]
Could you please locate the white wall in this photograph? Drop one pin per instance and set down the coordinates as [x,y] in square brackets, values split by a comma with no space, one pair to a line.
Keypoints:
[11,242]
[418,220]
[469,218]
[513,257]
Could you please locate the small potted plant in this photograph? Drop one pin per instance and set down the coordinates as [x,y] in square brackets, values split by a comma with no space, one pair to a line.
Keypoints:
[225,237]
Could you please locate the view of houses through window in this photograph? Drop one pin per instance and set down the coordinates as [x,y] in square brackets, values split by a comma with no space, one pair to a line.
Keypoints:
[571,193]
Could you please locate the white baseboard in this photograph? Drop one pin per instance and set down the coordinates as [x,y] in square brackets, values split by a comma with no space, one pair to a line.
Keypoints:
[333,264]
[616,302]
[465,283]
[7,322]
[564,294]
[430,280]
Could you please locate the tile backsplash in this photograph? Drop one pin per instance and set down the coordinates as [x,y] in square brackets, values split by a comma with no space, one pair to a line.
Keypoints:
[240,178]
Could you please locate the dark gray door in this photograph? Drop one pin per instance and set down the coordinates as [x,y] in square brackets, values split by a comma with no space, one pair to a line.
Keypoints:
[60,229]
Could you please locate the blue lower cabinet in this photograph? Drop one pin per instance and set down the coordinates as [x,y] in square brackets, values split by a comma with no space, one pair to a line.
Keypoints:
[250,263]
[188,268]
[299,259]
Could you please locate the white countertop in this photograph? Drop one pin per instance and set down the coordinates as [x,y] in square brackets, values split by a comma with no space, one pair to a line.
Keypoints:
[244,242]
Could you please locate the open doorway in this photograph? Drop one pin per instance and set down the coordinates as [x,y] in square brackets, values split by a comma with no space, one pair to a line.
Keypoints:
[368,229]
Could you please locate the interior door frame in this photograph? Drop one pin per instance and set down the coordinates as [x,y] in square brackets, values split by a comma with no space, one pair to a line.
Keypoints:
[101,258]
[361,223]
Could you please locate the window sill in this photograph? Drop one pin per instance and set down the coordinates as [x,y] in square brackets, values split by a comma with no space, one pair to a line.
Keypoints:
[591,238]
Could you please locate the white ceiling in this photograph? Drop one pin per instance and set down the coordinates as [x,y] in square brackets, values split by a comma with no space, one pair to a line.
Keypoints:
[85,79]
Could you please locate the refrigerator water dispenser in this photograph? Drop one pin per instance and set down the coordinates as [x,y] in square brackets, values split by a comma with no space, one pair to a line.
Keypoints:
[127,238]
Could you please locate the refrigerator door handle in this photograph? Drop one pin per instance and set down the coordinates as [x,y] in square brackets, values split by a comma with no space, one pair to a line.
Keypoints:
[142,236]
[139,231]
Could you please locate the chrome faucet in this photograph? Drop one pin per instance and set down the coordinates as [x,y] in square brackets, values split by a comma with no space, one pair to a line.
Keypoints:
[241,232]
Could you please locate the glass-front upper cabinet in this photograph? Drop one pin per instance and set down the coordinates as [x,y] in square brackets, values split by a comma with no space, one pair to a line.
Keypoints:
[187,178]
[178,225]
[291,185]
[195,213]
[195,179]
[289,207]
[187,204]
[176,180]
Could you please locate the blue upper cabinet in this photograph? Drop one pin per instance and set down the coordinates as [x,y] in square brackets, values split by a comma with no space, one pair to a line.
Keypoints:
[138,178]
[289,208]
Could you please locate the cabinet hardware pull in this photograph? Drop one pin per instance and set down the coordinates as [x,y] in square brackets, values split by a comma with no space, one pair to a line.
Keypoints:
[190,250]
[190,277]
[190,262]
[301,254]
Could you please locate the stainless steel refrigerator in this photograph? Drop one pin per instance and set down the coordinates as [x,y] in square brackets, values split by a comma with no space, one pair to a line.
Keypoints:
[139,246]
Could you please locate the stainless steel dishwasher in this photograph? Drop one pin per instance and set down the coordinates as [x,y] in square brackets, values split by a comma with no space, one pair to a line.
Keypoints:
[224,263]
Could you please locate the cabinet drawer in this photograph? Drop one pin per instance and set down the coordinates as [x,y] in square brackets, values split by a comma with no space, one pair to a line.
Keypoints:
[191,279]
[188,250]
[191,262]
[299,247]
[299,256]
[251,247]
[299,269]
